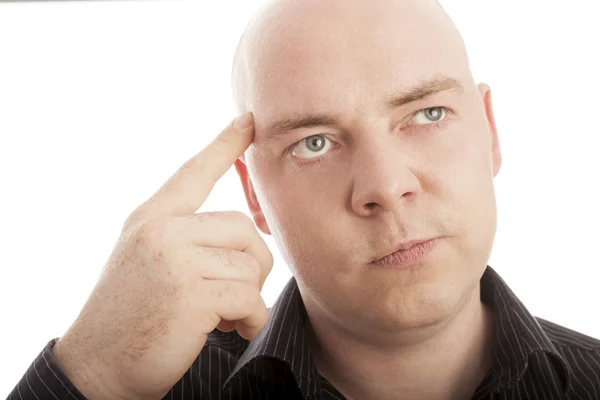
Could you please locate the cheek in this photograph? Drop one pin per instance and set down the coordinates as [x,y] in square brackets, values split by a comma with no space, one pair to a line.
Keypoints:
[301,194]
[304,209]
[465,156]
[303,215]
[472,191]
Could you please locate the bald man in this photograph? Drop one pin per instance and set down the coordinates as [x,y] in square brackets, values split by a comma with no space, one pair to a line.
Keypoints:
[368,152]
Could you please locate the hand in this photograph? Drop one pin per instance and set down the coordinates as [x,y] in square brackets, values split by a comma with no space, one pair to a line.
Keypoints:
[172,278]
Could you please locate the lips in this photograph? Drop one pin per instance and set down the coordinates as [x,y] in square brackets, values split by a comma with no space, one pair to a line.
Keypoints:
[401,246]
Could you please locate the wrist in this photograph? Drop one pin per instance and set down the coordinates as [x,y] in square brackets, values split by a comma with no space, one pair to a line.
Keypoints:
[91,380]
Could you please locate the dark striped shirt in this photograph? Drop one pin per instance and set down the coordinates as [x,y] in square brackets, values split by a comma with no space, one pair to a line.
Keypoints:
[533,359]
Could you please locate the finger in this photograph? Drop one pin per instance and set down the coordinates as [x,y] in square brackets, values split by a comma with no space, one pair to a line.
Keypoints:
[250,327]
[227,265]
[188,188]
[226,326]
[239,301]
[232,230]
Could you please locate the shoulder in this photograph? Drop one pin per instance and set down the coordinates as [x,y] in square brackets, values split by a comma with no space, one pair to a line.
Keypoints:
[566,338]
[581,353]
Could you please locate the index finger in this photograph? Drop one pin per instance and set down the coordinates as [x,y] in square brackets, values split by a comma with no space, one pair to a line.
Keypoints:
[188,188]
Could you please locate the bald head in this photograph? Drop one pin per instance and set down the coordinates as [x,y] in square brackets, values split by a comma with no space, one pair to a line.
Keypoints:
[369,129]
[293,30]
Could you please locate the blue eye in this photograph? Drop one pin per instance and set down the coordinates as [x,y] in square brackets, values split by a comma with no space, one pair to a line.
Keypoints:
[311,147]
[315,146]
[431,115]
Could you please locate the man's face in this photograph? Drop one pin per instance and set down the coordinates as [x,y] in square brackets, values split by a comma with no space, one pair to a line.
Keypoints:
[338,194]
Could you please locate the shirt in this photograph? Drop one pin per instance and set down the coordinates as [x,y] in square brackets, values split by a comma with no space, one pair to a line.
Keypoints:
[532,359]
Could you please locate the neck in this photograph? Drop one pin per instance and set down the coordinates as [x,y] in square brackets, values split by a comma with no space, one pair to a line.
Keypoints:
[445,362]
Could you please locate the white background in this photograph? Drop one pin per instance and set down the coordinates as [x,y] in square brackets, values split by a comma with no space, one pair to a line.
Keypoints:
[100,102]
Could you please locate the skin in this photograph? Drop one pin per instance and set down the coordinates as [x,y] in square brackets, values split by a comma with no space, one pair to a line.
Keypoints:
[385,176]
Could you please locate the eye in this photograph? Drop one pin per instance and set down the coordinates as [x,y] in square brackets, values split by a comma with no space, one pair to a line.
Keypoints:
[311,147]
[429,116]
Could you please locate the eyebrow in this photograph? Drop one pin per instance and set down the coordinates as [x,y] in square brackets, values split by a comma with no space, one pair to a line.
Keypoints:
[418,92]
[424,90]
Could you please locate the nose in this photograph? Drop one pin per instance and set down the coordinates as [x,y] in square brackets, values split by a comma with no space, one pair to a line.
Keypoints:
[383,178]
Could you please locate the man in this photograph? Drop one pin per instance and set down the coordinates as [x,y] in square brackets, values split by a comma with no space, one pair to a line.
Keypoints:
[370,158]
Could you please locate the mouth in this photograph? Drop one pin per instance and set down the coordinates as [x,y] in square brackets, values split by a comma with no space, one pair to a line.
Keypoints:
[407,253]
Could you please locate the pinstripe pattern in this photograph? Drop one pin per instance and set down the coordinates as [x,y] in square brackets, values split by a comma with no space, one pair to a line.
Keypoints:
[533,359]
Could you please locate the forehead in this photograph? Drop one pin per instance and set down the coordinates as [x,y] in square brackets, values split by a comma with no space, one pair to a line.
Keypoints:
[341,64]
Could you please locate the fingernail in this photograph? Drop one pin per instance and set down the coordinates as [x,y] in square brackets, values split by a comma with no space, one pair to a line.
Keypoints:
[243,121]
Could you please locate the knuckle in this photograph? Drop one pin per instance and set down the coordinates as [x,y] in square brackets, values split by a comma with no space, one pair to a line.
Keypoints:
[151,231]
[244,263]
[236,295]
[225,259]
[208,216]
[253,267]
[134,218]
[261,306]
[221,142]
[236,217]
[240,218]
[248,296]
[225,293]
[270,259]
[248,268]
[257,306]
[191,164]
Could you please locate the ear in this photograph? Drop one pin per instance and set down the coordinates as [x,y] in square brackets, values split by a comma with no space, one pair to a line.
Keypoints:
[486,95]
[253,205]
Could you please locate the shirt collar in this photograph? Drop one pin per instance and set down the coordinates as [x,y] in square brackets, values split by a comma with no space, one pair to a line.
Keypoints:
[284,338]
[518,335]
